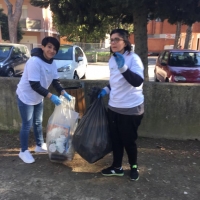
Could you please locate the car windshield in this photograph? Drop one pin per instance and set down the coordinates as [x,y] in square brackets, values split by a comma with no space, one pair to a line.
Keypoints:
[184,59]
[4,51]
[64,53]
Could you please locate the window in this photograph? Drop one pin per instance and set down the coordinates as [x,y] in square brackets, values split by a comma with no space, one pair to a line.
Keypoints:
[4,51]
[16,52]
[24,14]
[64,53]
[161,56]
[165,57]
[78,53]
[185,59]
[23,49]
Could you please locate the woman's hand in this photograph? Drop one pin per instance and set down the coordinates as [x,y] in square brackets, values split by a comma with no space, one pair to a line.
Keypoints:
[55,99]
[102,93]
[119,59]
[67,96]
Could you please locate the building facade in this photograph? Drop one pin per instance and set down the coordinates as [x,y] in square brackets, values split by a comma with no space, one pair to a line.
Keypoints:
[36,23]
[161,35]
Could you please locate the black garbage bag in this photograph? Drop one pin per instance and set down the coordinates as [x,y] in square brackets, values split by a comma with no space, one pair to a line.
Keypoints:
[91,139]
[93,94]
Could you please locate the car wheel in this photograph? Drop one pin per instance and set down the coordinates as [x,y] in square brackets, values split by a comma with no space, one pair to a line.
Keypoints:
[155,78]
[10,73]
[83,77]
[76,77]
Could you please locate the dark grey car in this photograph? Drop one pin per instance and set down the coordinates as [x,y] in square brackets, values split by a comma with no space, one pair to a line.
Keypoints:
[12,59]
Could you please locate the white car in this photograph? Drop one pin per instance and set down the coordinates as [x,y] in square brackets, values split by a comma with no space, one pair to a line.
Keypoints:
[71,62]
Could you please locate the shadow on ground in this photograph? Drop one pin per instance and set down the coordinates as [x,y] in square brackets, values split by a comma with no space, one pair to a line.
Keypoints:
[169,170]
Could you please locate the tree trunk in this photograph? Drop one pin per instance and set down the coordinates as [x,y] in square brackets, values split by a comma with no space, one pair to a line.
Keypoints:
[177,36]
[140,36]
[188,38]
[13,18]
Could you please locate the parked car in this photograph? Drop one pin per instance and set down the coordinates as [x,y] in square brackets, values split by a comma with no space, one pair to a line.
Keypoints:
[71,62]
[12,59]
[153,53]
[178,65]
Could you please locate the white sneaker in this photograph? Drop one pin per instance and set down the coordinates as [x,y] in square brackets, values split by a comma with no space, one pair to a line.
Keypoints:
[42,149]
[26,156]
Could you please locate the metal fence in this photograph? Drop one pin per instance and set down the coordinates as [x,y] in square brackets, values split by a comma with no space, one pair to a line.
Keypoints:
[87,47]
[100,47]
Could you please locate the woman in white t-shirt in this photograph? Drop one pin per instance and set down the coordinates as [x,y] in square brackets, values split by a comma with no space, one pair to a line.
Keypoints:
[40,71]
[125,106]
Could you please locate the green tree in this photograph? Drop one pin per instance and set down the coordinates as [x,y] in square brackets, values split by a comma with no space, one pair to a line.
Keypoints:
[179,12]
[4,27]
[91,14]
[82,33]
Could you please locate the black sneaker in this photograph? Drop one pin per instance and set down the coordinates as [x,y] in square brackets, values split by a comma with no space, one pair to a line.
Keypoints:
[134,175]
[112,171]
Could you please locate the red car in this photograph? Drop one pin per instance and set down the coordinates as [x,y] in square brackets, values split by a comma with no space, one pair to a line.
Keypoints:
[178,65]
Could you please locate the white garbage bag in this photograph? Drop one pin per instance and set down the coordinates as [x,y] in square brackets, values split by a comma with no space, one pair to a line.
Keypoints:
[60,129]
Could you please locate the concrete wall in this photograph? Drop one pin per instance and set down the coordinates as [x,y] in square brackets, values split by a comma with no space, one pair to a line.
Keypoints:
[171,110]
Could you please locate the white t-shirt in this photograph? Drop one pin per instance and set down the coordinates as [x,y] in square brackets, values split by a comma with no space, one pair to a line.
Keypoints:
[123,94]
[35,70]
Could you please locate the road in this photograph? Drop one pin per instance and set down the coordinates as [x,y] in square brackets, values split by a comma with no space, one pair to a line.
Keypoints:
[151,66]
[100,70]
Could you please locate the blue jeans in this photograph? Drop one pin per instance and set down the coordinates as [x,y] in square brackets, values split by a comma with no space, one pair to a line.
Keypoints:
[31,115]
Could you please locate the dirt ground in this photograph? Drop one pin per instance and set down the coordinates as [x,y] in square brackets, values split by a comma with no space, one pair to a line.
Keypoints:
[169,170]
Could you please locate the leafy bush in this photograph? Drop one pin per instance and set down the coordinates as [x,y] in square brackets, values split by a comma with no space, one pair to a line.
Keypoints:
[89,53]
[97,56]
[103,53]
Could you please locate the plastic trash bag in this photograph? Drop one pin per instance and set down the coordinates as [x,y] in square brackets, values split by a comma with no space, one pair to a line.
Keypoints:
[60,129]
[93,94]
[91,139]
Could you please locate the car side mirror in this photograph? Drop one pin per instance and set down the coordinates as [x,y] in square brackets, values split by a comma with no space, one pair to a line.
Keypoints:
[80,59]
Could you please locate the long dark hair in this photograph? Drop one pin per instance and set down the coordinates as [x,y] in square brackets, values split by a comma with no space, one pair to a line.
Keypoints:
[125,35]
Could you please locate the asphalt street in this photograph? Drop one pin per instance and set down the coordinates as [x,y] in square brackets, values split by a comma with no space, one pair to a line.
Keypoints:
[100,70]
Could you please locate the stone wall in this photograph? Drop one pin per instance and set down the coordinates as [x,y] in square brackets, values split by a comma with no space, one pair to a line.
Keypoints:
[171,110]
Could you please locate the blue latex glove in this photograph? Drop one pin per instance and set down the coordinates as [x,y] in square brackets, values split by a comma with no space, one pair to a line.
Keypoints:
[67,96]
[119,59]
[55,99]
[102,93]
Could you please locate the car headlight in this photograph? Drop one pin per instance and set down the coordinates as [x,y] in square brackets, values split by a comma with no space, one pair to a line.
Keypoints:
[179,78]
[64,68]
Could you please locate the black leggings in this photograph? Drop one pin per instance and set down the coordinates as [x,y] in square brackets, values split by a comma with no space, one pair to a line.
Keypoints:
[123,130]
